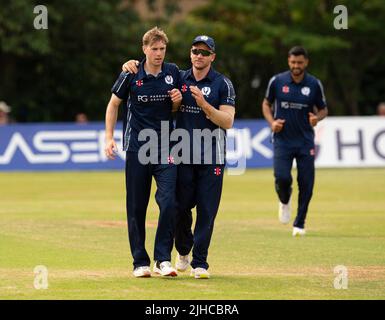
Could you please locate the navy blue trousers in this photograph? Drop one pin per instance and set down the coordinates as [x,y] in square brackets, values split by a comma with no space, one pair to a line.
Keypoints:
[138,189]
[200,186]
[283,161]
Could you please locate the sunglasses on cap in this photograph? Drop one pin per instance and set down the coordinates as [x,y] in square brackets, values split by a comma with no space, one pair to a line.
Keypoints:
[203,52]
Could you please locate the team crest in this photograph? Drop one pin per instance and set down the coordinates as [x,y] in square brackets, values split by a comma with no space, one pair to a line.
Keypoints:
[184,88]
[206,91]
[305,91]
[169,79]
[139,83]
[285,89]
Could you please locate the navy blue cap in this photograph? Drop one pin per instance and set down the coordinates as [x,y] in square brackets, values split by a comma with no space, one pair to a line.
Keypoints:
[206,40]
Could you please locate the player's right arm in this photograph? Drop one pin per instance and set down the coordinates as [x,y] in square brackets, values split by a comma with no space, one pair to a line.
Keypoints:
[111,118]
[276,125]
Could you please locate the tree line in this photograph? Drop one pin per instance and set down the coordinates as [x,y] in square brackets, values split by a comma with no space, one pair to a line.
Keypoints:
[53,74]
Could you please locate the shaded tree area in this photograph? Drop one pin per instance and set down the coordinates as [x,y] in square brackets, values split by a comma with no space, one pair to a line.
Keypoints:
[253,38]
[50,75]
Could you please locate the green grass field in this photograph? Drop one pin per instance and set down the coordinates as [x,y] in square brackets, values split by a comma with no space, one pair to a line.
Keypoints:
[74,224]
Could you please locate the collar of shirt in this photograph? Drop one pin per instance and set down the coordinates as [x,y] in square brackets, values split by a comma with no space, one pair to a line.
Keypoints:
[210,75]
[289,78]
[142,73]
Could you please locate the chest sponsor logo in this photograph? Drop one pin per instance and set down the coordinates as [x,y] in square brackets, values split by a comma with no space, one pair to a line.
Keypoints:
[143,98]
[206,91]
[305,91]
[169,79]
[293,105]
[190,109]
[153,98]
[285,89]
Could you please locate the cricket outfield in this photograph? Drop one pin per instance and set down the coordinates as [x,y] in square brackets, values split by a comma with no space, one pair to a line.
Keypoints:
[74,224]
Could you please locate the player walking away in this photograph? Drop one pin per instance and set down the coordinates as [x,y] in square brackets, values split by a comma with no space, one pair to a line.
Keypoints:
[149,96]
[294,104]
[208,104]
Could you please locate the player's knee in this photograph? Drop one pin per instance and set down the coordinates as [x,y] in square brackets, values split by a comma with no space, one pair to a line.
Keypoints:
[283,180]
[185,206]
[306,184]
[168,203]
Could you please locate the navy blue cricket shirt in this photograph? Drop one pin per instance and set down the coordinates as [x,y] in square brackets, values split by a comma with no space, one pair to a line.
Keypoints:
[147,100]
[292,102]
[217,90]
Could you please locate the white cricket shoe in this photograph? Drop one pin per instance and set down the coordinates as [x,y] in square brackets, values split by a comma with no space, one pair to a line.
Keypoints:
[165,269]
[142,272]
[200,273]
[284,212]
[182,262]
[298,232]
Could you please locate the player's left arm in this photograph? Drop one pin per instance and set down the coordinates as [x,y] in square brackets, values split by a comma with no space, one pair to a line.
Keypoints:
[319,115]
[175,94]
[224,115]
[176,99]
[320,108]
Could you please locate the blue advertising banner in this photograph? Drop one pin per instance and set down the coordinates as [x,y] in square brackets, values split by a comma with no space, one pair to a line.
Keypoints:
[66,146]
[55,147]
[249,145]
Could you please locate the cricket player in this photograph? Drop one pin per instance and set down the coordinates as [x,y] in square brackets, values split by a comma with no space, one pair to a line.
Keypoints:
[294,104]
[150,95]
[208,104]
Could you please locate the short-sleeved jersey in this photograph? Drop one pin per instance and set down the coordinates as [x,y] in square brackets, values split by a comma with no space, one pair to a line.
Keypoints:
[147,100]
[217,90]
[292,102]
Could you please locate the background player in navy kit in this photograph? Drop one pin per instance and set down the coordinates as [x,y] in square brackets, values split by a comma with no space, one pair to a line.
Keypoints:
[150,96]
[293,105]
[208,103]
